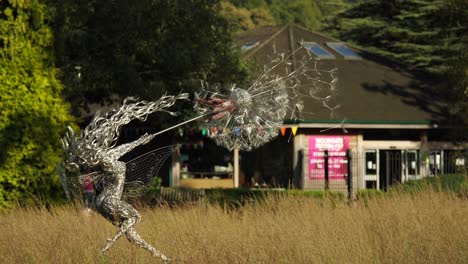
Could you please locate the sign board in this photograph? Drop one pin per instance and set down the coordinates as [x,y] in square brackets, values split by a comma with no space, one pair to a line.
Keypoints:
[337,162]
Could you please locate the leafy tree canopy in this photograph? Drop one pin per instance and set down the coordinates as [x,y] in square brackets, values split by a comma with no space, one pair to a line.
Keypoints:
[141,48]
[242,19]
[301,12]
[246,14]
[32,113]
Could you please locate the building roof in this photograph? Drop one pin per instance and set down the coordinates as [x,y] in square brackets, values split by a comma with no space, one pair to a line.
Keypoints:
[372,91]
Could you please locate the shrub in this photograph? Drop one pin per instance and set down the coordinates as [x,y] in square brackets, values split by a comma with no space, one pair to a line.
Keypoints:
[234,197]
[33,115]
[446,183]
[366,194]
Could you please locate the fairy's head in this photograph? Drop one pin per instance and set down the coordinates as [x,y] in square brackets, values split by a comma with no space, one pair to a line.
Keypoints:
[70,168]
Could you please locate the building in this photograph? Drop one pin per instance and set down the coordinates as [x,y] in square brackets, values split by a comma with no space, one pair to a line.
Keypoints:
[388,120]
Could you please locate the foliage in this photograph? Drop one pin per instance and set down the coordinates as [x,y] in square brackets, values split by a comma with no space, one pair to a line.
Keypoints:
[141,48]
[317,194]
[425,228]
[402,30]
[330,9]
[414,32]
[32,113]
[242,19]
[255,13]
[456,75]
[455,183]
[366,194]
[232,198]
[430,35]
[238,18]
[301,12]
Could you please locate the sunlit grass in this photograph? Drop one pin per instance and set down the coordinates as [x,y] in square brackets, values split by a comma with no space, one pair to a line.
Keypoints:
[430,227]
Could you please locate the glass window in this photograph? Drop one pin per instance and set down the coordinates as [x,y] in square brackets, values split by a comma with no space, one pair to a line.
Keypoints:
[343,50]
[317,50]
[454,160]
[413,162]
[371,162]
[435,162]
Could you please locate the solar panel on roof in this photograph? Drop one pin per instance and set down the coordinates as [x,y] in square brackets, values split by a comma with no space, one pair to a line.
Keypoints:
[317,50]
[344,50]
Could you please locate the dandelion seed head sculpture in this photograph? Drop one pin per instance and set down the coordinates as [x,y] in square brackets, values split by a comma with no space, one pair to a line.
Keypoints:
[250,117]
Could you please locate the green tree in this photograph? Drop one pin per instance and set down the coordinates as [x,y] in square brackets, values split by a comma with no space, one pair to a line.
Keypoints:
[302,12]
[250,4]
[239,18]
[141,48]
[307,13]
[32,112]
[407,31]
[242,19]
[455,17]
[261,17]
[430,35]
[330,9]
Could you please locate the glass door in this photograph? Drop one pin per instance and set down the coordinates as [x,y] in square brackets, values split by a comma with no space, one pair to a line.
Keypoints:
[390,167]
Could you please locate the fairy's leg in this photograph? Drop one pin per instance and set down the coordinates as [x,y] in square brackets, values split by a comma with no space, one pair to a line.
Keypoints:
[111,241]
[134,217]
[128,216]
[134,238]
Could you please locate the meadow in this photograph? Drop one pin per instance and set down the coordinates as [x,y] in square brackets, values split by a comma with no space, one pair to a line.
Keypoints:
[399,227]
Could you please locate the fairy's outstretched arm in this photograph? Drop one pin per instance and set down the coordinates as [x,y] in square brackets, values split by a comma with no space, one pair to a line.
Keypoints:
[123,149]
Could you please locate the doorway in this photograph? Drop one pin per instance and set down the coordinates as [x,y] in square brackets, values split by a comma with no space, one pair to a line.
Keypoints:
[390,168]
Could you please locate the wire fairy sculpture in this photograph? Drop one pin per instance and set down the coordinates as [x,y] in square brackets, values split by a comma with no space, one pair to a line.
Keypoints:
[95,154]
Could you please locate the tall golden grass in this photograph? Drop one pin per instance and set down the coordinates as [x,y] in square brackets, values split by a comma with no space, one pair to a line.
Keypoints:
[430,227]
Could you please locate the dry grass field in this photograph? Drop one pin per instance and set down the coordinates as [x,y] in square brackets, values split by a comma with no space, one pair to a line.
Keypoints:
[430,227]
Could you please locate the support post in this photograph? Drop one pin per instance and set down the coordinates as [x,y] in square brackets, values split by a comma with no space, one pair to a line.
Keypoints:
[236,167]
[327,182]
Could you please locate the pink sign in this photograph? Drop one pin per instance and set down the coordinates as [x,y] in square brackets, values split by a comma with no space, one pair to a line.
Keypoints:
[337,162]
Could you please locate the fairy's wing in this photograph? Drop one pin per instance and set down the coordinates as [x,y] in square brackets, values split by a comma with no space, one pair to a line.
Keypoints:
[143,169]
[73,180]
[67,184]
